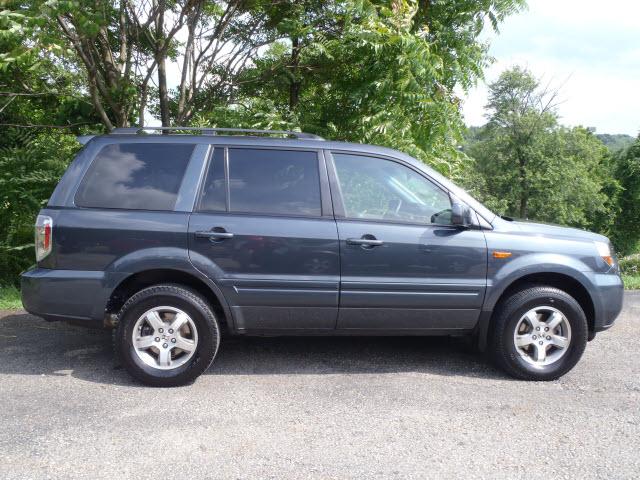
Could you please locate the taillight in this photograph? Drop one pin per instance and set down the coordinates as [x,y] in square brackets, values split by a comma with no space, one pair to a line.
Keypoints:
[44,232]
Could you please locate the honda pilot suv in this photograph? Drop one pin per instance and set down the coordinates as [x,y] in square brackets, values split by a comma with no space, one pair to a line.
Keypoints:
[176,239]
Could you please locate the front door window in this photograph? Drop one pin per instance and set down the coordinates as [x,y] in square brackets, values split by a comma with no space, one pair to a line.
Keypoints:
[378,189]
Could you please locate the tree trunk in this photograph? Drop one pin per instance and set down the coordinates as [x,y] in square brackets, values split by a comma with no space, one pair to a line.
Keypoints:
[97,104]
[143,105]
[163,93]
[421,18]
[162,72]
[294,95]
[524,187]
[186,65]
[524,208]
[124,51]
[296,84]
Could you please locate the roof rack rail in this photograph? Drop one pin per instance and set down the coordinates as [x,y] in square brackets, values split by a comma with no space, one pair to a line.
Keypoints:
[216,131]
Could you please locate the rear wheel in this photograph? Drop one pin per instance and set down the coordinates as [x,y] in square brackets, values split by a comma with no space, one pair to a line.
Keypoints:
[538,333]
[167,335]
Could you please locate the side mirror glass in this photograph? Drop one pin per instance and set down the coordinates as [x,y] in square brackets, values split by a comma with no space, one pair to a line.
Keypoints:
[460,215]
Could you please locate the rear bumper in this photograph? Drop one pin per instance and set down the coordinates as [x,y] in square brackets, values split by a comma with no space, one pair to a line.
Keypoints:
[64,294]
[607,295]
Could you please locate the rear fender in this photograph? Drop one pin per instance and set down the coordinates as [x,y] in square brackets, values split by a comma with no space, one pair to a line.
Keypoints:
[161,258]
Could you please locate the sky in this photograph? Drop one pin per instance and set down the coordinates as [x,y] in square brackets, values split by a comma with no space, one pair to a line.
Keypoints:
[589,49]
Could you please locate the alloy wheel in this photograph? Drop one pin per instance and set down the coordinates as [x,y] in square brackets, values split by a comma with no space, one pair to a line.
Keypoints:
[165,337]
[542,336]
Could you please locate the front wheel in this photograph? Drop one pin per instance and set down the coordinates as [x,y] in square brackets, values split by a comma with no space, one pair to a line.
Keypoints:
[167,335]
[538,333]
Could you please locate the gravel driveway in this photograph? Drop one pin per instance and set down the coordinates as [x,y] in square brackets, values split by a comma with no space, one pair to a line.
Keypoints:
[315,408]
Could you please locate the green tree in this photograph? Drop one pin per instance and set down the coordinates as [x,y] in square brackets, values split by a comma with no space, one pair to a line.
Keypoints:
[367,70]
[37,92]
[380,72]
[377,71]
[31,164]
[626,229]
[527,165]
[122,47]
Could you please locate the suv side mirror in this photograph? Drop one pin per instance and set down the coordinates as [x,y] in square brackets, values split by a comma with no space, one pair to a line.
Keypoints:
[460,215]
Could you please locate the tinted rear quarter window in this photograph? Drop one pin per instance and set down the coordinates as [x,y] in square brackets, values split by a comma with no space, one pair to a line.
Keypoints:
[214,193]
[283,182]
[136,176]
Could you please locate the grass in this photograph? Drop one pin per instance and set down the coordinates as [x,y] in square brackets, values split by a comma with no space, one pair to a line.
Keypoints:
[10,298]
[631,282]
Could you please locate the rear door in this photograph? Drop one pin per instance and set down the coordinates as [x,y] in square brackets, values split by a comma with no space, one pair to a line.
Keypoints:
[404,266]
[263,229]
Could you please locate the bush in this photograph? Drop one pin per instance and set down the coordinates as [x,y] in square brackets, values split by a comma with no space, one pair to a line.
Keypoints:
[630,265]
[31,164]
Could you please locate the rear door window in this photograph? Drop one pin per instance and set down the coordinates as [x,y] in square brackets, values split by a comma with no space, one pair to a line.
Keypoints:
[282,182]
[136,176]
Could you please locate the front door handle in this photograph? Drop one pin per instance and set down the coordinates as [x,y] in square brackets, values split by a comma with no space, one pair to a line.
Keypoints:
[215,234]
[365,241]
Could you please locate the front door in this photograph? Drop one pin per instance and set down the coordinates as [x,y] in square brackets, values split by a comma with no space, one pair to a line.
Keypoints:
[262,231]
[403,265]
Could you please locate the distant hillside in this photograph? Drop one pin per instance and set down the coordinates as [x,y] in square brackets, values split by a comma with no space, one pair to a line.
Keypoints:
[615,142]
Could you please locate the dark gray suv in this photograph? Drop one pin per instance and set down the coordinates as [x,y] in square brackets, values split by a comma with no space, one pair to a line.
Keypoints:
[173,239]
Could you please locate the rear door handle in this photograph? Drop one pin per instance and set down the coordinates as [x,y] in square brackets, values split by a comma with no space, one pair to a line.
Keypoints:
[365,241]
[214,234]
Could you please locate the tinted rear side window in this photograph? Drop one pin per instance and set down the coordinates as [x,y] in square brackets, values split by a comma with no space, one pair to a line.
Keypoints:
[137,176]
[282,182]
[214,191]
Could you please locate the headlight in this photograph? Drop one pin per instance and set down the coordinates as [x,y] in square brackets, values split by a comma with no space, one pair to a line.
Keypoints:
[604,250]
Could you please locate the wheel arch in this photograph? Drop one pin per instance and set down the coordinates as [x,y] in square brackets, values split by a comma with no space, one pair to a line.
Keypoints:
[146,278]
[561,281]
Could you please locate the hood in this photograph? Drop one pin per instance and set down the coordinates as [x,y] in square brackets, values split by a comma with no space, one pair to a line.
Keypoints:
[550,230]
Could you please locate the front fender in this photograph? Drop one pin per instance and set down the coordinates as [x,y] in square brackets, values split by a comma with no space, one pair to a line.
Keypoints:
[501,275]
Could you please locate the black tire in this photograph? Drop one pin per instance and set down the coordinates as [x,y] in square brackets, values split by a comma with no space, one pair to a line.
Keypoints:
[176,296]
[506,318]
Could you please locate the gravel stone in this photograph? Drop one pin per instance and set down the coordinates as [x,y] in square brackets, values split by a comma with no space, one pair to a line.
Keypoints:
[315,408]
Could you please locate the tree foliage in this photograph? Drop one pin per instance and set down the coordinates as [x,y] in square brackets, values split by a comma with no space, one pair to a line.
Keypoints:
[365,70]
[528,166]
[371,71]
[30,166]
[375,71]
[121,49]
[626,232]
[36,92]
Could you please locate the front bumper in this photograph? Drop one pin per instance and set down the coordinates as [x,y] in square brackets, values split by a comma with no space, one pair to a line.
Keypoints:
[607,294]
[64,294]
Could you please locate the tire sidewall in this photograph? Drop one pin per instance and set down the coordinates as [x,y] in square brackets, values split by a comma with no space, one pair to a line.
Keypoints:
[208,338]
[574,315]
